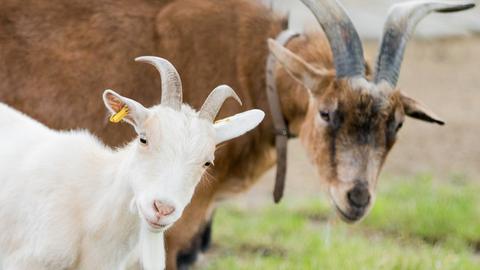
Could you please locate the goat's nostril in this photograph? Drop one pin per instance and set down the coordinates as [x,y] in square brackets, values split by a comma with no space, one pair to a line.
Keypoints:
[358,196]
[162,209]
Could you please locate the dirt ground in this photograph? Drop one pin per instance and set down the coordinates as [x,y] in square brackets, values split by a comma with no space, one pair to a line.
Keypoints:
[445,75]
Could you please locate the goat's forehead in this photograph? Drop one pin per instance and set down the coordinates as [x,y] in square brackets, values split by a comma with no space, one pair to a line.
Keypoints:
[175,125]
[361,96]
[364,89]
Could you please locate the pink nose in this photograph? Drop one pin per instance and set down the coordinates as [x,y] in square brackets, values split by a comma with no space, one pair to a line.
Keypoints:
[161,209]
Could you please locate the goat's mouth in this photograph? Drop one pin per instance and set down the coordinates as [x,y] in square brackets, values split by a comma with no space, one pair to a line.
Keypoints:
[348,213]
[155,226]
[352,216]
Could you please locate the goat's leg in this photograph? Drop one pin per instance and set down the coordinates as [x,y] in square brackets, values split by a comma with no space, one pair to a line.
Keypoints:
[187,257]
[200,243]
[207,235]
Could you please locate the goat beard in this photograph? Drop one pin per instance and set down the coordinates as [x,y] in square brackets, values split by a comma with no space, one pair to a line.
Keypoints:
[152,248]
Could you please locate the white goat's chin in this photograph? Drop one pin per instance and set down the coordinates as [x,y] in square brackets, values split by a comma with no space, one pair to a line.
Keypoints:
[156,227]
[152,248]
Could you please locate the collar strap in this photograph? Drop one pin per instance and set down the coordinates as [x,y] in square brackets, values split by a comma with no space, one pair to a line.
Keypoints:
[280,126]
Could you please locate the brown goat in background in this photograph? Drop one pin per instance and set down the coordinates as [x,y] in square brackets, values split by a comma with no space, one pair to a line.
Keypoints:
[58,56]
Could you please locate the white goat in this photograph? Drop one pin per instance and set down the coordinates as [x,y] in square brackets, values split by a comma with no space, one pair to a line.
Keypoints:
[65,196]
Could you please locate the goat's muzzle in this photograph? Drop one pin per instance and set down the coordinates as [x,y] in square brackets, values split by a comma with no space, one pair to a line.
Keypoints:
[161,211]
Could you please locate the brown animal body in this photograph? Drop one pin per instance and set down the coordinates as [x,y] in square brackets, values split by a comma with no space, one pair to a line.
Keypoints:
[57,57]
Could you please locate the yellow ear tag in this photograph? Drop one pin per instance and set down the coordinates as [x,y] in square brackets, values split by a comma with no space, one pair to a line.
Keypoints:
[115,118]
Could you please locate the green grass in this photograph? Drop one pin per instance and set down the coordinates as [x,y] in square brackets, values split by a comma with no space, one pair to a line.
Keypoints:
[415,224]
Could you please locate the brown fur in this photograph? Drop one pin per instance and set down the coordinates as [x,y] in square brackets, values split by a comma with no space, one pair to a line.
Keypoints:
[351,148]
[58,56]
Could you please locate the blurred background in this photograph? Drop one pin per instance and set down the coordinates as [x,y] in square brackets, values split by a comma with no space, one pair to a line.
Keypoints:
[427,213]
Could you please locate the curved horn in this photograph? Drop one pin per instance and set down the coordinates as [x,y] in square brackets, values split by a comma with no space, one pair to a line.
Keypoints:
[399,27]
[171,83]
[344,40]
[215,100]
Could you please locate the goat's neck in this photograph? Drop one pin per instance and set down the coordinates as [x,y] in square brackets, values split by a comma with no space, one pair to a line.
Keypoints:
[113,208]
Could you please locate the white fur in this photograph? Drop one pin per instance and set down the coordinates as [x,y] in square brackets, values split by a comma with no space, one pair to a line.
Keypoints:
[66,199]
[237,125]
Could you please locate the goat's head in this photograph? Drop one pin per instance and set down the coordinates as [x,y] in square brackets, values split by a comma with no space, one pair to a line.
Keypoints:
[352,120]
[175,144]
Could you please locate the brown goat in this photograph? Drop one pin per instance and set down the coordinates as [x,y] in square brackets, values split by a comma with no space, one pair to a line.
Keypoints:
[58,56]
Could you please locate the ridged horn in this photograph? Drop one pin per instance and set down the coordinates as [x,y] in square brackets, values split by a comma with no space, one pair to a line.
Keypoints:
[401,21]
[215,100]
[171,83]
[343,38]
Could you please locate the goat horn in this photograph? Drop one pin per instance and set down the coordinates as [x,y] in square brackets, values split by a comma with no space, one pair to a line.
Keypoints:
[171,83]
[215,100]
[401,21]
[342,36]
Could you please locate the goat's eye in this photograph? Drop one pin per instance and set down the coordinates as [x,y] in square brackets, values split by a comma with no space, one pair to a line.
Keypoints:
[143,140]
[325,115]
[207,164]
[399,126]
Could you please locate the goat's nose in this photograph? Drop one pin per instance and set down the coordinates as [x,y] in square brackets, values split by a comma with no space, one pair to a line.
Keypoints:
[162,209]
[359,196]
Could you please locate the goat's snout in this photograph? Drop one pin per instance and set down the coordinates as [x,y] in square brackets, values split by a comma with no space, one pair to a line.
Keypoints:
[359,196]
[162,209]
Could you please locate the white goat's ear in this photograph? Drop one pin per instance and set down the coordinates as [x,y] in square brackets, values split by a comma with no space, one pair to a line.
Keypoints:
[136,114]
[237,125]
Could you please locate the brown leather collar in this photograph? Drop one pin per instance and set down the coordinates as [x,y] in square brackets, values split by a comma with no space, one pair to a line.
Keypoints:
[280,126]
